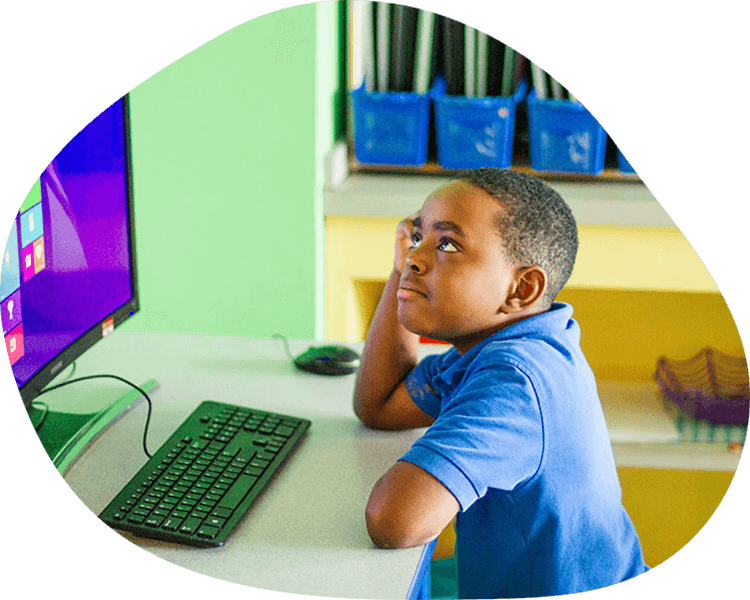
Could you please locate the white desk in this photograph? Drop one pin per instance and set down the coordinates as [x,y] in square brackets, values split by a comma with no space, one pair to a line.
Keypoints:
[306,534]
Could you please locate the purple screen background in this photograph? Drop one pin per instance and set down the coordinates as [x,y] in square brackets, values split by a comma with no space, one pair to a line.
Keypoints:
[87,271]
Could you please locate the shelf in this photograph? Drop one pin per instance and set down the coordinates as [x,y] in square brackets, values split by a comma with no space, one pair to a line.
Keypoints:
[432,168]
[397,194]
[643,436]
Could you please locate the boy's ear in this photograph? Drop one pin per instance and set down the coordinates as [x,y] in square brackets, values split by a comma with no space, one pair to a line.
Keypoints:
[529,287]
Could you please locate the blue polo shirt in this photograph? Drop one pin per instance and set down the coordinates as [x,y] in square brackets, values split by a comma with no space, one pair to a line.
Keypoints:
[519,439]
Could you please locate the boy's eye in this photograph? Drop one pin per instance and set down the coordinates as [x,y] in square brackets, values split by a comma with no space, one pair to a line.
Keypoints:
[447,245]
[416,239]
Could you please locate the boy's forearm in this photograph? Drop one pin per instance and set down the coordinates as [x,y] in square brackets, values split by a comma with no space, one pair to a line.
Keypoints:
[390,353]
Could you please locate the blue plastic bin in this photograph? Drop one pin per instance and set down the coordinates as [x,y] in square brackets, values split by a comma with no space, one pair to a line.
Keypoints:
[564,137]
[475,132]
[390,128]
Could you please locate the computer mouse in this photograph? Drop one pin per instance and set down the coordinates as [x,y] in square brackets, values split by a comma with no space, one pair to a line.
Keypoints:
[328,360]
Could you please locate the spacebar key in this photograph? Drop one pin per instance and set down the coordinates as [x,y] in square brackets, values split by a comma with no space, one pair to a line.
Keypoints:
[237,492]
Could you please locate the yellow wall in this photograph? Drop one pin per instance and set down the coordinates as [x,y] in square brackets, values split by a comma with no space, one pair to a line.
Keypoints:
[642,258]
[624,332]
[357,249]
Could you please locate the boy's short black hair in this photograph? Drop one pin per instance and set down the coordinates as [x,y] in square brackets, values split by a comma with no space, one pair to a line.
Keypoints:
[537,226]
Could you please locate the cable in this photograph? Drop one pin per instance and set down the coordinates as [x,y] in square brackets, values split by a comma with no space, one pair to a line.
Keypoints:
[286,345]
[38,426]
[71,372]
[44,414]
[144,394]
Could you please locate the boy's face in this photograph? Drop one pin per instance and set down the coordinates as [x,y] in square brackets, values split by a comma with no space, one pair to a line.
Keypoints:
[457,275]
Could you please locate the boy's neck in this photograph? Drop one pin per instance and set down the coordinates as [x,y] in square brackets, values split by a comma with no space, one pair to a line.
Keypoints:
[466,343]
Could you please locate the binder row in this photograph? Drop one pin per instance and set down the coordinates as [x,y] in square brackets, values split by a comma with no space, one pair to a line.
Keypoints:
[404,49]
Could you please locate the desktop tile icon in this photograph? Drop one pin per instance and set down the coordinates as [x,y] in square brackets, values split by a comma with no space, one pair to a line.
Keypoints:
[38,255]
[10,274]
[32,224]
[27,262]
[14,343]
[10,309]
[32,241]
[32,259]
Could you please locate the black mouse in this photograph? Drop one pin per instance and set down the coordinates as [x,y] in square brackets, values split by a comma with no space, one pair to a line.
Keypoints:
[328,360]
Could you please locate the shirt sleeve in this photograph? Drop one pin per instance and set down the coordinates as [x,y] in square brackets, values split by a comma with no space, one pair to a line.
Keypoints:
[422,386]
[488,434]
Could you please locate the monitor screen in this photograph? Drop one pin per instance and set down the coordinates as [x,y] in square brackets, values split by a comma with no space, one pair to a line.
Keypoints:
[68,271]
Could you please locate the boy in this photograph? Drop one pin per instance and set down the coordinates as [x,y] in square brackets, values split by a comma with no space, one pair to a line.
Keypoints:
[517,448]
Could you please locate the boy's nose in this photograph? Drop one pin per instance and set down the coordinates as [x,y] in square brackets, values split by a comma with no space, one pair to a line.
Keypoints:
[415,262]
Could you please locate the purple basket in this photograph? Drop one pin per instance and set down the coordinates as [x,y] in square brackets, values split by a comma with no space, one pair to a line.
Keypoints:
[710,386]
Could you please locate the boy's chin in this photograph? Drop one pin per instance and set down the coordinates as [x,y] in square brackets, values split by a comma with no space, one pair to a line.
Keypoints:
[424,332]
[411,327]
[415,322]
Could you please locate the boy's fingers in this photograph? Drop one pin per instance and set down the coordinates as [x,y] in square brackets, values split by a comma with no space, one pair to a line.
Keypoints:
[403,240]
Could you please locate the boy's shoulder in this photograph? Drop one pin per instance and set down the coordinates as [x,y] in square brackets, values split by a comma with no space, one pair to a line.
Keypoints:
[539,351]
[549,332]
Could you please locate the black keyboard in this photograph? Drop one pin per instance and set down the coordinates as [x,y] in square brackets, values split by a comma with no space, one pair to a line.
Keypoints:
[199,484]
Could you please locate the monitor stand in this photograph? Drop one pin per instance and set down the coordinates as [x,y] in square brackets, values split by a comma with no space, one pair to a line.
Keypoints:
[66,435]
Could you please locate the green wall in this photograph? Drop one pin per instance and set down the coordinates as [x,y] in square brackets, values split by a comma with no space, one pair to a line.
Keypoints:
[228,147]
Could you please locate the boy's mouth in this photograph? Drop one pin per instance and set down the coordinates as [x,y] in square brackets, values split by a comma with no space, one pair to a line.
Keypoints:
[408,290]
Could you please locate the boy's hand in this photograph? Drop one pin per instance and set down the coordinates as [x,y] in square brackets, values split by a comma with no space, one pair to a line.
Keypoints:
[404,233]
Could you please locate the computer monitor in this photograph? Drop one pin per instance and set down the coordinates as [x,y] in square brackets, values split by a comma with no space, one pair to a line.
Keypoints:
[68,270]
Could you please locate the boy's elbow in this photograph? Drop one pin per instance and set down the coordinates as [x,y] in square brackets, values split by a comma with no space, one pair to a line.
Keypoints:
[366,415]
[388,531]
[384,535]
[363,415]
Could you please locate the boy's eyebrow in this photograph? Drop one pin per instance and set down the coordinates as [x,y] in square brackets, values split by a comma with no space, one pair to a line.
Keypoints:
[441,226]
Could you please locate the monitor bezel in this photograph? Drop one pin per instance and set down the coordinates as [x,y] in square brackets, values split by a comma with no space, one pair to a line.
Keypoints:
[66,357]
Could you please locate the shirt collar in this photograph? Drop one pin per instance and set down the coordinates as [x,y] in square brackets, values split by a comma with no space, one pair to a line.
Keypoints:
[557,318]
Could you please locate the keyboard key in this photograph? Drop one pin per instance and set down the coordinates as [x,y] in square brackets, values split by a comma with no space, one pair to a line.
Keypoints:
[215,522]
[171,524]
[190,525]
[236,494]
[257,462]
[284,431]
[208,532]
[222,513]
[154,521]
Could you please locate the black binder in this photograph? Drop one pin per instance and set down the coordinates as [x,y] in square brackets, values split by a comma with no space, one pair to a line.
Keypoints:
[453,56]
